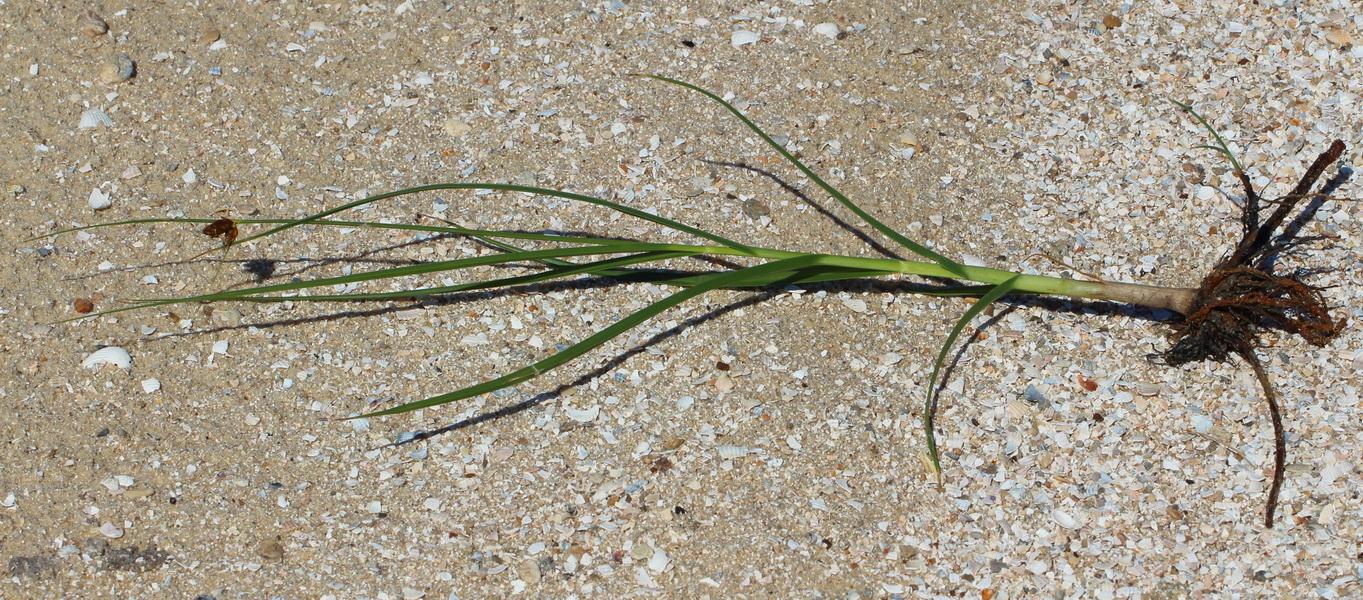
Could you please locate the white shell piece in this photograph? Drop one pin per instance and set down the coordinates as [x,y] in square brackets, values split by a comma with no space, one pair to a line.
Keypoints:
[109,355]
[659,562]
[1064,519]
[828,30]
[151,385]
[111,531]
[95,118]
[1147,389]
[583,416]
[359,424]
[743,37]
[99,199]
[220,347]
[731,452]
[857,305]
[1202,423]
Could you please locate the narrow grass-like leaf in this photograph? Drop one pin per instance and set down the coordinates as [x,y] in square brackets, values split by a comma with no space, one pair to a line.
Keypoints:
[556,272]
[450,229]
[665,222]
[899,238]
[447,265]
[722,280]
[667,250]
[1220,143]
[930,405]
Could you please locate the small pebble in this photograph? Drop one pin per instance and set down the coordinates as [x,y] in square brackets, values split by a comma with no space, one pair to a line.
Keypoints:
[93,25]
[270,549]
[755,209]
[83,305]
[529,571]
[456,128]
[209,35]
[227,317]
[117,69]
[1340,37]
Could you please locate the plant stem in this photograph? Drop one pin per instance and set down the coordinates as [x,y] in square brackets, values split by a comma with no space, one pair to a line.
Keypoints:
[1179,300]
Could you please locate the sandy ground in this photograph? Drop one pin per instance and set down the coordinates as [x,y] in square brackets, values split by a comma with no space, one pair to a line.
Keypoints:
[757,446]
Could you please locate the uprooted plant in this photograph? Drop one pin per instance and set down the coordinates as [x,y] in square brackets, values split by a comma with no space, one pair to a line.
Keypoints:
[1225,315]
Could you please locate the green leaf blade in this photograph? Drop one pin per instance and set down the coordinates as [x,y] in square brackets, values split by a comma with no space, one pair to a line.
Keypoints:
[734,278]
[930,405]
[884,229]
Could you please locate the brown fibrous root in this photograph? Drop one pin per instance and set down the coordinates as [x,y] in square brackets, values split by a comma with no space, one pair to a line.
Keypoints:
[1241,299]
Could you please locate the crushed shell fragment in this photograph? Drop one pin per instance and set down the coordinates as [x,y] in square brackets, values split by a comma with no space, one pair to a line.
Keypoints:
[731,452]
[108,355]
[583,416]
[743,37]
[95,118]
[99,199]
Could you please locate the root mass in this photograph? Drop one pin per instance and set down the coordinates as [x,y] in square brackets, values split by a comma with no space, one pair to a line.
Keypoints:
[1241,299]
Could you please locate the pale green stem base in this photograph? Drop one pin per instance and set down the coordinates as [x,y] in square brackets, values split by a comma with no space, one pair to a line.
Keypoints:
[1179,300]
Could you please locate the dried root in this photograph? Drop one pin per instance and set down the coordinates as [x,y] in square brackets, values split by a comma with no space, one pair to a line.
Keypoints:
[1242,298]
